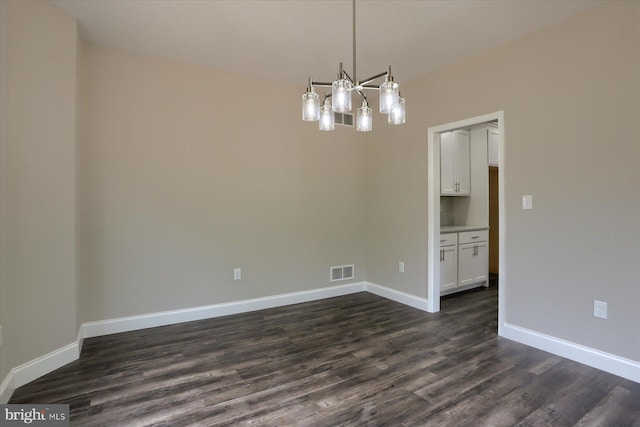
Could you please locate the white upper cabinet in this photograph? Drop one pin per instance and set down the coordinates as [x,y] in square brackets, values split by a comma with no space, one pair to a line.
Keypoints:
[447,180]
[455,167]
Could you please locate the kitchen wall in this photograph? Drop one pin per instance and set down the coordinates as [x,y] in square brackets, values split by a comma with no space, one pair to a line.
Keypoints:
[446,211]
[37,181]
[187,173]
[571,100]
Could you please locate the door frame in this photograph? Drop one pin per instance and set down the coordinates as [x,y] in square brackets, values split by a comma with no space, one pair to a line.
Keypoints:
[433,214]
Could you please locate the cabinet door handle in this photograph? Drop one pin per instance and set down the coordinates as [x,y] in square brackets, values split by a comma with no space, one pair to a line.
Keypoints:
[475,237]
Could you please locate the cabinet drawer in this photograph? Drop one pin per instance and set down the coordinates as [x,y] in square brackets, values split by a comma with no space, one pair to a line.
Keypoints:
[473,236]
[448,239]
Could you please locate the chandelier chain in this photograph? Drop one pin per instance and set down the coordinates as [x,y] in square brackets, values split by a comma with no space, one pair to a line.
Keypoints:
[355,74]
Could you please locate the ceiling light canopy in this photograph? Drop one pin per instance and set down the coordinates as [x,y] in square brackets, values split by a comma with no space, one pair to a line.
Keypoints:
[339,101]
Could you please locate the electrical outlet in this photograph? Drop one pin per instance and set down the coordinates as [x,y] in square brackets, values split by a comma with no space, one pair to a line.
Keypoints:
[600,309]
[527,201]
[237,273]
[401,267]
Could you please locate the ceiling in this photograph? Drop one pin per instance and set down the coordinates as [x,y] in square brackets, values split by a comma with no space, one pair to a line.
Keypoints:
[292,40]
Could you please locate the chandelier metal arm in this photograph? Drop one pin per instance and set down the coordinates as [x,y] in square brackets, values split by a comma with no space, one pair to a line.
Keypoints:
[364,85]
[365,82]
[321,84]
[348,77]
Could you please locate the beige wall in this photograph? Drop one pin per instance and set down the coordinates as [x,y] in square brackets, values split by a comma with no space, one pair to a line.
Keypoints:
[571,99]
[37,181]
[173,191]
[187,173]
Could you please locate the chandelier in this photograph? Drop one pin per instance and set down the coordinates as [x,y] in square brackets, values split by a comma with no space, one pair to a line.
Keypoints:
[339,100]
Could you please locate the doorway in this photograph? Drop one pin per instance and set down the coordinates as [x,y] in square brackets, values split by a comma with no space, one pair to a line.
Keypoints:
[433,211]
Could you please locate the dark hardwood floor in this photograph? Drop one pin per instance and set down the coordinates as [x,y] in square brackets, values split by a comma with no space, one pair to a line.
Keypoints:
[355,360]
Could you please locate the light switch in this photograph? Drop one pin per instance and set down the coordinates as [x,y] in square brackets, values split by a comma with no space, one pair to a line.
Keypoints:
[401,267]
[527,201]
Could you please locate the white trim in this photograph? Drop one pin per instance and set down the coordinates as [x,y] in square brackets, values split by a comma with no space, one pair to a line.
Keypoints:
[607,362]
[433,214]
[398,296]
[433,220]
[34,369]
[132,323]
[80,338]
[502,226]
[7,388]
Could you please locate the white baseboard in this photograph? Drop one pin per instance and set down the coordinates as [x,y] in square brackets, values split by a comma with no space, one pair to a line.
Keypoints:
[132,323]
[397,296]
[607,362]
[34,369]
[7,388]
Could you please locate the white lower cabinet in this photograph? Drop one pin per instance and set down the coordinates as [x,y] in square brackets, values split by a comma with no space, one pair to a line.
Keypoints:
[464,263]
[473,262]
[448,262]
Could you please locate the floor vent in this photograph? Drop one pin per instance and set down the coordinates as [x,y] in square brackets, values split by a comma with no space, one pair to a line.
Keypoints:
[343,119]
[342,272]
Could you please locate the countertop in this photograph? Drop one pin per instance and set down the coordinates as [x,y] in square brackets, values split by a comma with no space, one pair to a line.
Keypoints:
[461,228]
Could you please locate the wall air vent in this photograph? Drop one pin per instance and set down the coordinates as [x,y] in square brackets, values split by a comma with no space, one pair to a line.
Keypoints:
[343,119]
[342,272]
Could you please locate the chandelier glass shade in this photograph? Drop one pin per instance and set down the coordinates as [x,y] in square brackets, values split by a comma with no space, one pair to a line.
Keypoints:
[388,96]
[364,122]
[327,119]
[310,106]
[339,100]
[341,95]
[397,117]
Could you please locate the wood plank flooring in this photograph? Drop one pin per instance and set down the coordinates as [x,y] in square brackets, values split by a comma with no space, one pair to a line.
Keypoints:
[356,360]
